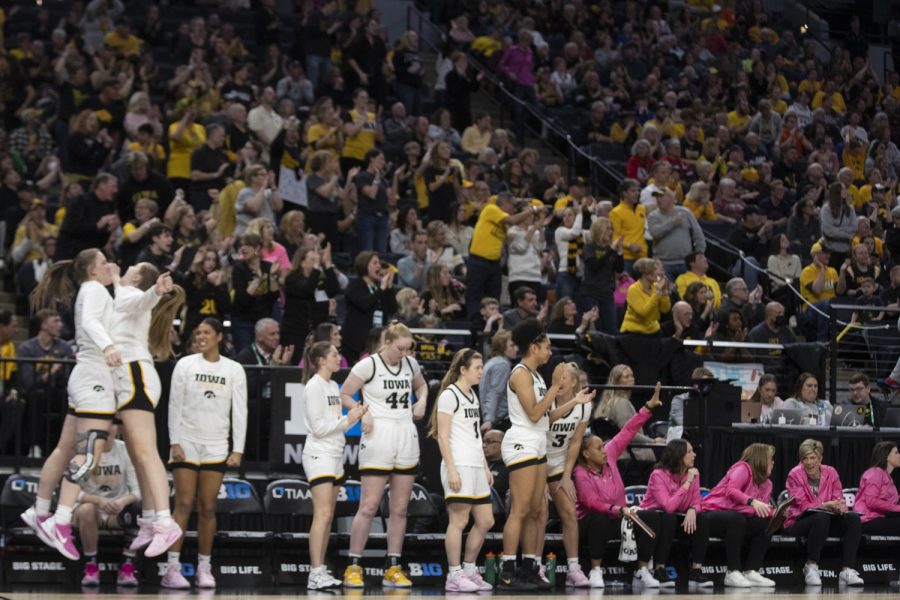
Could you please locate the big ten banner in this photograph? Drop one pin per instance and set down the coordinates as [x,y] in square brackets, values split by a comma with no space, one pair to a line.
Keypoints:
[743,375]
[288,431]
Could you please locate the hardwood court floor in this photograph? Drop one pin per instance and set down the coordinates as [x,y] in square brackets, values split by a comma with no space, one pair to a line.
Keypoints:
[869,593]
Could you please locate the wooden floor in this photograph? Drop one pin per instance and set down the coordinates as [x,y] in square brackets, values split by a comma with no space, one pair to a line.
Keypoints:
[437,594]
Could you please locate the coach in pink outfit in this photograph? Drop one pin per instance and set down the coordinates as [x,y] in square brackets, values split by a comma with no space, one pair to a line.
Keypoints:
[876,499]
[818,511]
[601,497]
[674,490]
[738,509]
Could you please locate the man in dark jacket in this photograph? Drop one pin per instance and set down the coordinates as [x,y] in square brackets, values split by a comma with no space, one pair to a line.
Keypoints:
[91,218]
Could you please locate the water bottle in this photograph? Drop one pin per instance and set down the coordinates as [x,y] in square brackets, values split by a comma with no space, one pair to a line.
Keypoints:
[490,568]
[822,415]
[551,569]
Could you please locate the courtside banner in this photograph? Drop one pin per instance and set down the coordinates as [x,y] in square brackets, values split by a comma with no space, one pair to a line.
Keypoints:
[289,426]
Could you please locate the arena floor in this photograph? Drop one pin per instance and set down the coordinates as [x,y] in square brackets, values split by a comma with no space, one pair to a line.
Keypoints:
[868,593]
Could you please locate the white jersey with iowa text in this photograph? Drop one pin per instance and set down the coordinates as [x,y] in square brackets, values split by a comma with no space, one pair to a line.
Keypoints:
[114,476]
[207,400]
[325,424]
[388,391]
[560,436]
[465,426]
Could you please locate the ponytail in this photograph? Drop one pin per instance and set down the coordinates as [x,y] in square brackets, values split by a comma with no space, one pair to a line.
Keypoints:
[314,353]
[56,288]
[462,359]
[161,323]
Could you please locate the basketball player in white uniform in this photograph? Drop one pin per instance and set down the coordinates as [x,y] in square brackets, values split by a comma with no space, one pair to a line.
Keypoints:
[524,451]
[105,494]
[569,418]
[323,451]
[207,402]
[456,424]
[92,402]
[392,386]
[144,297]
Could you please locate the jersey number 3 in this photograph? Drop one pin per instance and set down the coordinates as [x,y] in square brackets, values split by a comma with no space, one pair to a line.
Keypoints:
[398,402]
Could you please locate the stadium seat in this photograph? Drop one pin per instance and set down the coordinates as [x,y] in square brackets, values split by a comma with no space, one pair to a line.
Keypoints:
[634,495]
[289,509]
[892,417]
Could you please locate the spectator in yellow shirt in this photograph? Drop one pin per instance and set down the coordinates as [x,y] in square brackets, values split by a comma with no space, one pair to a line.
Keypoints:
[31,232]
[698,265]
[830,94]
[739,118]
[629,219]
[121,41]
[817,286]
[698,202]
[647,299]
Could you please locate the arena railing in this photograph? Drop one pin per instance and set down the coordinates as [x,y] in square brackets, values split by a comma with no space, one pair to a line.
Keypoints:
[35,418]
[602,177]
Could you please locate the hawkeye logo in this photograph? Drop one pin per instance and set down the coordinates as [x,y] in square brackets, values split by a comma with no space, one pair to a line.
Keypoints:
[209,394]
[99,388]
[518,446]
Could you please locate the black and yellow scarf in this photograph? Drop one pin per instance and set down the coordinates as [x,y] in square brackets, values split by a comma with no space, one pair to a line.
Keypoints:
[575,247]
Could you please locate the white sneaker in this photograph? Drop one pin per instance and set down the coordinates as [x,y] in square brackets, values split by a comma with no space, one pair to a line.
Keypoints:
[596,577]
[811,574]
[321,579]
[644,578]
[850,577]
[736,579]
[757,580]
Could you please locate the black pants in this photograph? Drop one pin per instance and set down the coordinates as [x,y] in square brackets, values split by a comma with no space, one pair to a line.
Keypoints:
[670,528]
[818,526]
[883,526]
[738,529]
[599,528]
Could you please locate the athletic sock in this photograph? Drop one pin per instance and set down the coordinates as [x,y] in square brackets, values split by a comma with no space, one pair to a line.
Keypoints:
[573,563]
[174,558]
[42,506]
[506,558]
[354,558]
[90,558]
[394,559]
[148,515]
[127,557]
[454,569]
[63,515]
[470,568]
[204,560]
[163,516]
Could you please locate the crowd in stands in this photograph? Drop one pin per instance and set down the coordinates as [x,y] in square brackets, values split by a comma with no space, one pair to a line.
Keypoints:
[308,169]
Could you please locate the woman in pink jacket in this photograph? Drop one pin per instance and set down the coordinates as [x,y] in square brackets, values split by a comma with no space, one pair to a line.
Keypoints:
[738,509]
[818,511]
[601,498]
[674,491]
[876,499]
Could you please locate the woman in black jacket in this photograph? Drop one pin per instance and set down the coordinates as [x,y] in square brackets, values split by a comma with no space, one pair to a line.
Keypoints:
[460,84]
[602,261]
[257,284]
[87,147]
[311,272]
[207,291]
[370,299]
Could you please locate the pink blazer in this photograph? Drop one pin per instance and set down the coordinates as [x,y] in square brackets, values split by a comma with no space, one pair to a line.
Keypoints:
[735,490]
[665,492]
[604,491]
[830,488]
[877,495]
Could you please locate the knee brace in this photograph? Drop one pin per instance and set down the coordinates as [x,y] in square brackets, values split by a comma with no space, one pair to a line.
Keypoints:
[84,445]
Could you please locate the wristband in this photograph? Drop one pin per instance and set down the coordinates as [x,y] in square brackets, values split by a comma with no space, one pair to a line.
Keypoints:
[750,502]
